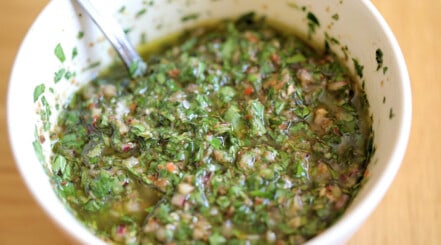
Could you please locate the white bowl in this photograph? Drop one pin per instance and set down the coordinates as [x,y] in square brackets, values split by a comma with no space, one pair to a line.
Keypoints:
[357,25]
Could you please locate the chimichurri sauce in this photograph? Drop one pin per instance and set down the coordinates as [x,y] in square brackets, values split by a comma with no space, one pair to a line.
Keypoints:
[238,133]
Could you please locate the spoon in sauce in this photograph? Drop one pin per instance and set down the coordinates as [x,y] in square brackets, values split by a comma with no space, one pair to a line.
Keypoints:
[116,36]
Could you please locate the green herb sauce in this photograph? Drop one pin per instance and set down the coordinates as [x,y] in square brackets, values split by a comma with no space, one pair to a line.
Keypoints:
[238,133]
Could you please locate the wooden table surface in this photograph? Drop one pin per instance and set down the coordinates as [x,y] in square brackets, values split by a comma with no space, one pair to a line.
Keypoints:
[410,213]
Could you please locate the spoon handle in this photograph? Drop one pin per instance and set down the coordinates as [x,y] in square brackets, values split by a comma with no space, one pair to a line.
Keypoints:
[117,38]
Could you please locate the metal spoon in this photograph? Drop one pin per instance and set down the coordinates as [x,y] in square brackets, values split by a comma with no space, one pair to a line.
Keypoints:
[114,33]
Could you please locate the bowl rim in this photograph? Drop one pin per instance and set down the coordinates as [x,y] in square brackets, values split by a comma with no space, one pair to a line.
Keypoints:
[352,218]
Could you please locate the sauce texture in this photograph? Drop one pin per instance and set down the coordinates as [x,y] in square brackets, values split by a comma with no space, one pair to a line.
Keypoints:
[238,133]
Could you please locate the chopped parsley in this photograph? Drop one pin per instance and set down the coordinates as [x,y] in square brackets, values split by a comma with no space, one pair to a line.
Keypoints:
[59,53]
[238,134]
[379,58]
[74,52]
[59,75]
[313,22]
[80,35]
[38,148]
[391,113]
[39,90]
[358,68]
[190,17]
[141,12]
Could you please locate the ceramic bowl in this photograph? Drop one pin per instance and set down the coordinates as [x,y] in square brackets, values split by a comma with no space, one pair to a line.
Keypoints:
[64,50]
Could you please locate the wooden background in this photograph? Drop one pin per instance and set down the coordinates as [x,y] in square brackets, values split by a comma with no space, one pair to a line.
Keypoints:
[410,213]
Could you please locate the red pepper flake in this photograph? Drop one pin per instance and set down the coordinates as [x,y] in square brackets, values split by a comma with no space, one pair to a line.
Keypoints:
[366,173]
[132,107]
[152,178]
[248,91]
[336,131]
[251,37]
[95,119]
[249,116]
[92,105]
[283,126]
[161,183]
[258,200]
[173,73]
[275,58]
[171,167]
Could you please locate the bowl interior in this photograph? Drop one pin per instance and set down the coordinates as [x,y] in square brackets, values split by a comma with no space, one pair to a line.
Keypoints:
[57,57]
